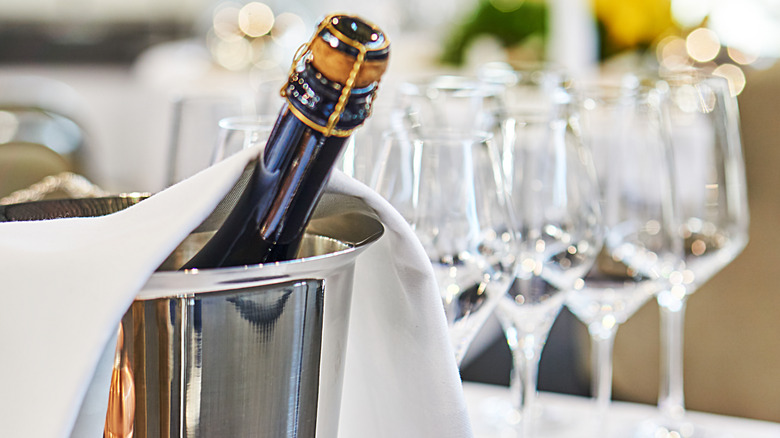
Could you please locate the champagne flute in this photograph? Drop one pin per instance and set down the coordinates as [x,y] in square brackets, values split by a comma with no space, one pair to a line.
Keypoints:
[712,198]
[448,194]
[554,214]
[621,124]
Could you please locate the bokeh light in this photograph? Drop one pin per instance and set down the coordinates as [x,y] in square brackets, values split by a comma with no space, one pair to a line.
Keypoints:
[289,30]
[752,26]
[255,19]
[702,44]
[225,22]
[734,75]
[690,13]
[686,98]
[741,57]
[233,55]
[724,38]
[252,37]
[672,53]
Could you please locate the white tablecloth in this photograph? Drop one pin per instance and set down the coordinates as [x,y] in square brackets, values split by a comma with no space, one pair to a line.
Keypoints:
[565,416]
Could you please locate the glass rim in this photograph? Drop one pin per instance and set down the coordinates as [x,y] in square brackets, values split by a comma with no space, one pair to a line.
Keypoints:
[693,77]
[247,123]
[459,85]
[514,73]
[438,134]
[624,82]
[615,92]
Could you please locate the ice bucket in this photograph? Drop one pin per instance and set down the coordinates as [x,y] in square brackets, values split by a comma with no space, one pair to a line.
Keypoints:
[253,351]
[250,351]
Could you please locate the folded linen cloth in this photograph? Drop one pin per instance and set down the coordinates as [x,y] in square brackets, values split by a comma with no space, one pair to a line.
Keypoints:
[66,284]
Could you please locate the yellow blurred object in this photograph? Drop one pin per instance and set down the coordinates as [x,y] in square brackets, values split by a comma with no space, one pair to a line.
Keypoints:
[632,23]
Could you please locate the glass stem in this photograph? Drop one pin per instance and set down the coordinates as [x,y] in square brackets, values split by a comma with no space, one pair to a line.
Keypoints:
[525,372]
[671,399]
[602,343]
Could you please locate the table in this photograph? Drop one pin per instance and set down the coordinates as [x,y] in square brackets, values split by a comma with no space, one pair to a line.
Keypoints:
[567,416]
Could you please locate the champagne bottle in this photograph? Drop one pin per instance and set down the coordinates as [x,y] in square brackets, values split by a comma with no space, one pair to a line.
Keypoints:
[331,87]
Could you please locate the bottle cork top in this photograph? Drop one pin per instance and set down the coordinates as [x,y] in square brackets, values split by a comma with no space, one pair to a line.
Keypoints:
[338,45]
[348,55]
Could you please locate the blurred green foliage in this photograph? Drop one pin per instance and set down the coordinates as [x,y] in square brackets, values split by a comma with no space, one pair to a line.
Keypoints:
[510,22]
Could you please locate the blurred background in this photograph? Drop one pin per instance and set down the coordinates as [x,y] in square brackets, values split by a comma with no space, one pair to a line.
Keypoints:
[111,71]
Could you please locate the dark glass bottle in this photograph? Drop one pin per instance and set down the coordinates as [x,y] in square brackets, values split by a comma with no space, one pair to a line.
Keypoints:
[329,93]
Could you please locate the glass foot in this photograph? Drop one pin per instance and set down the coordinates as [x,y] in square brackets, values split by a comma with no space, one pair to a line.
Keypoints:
[676,429]
[496,417]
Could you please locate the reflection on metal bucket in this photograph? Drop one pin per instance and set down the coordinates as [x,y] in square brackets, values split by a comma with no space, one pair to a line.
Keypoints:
[251,351]
[241,363]
[121,398]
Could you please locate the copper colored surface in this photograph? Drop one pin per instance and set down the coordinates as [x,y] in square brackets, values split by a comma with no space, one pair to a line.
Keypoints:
[121,398]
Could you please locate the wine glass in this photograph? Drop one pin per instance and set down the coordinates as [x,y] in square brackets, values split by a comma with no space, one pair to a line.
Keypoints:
[195,130]
[526,86]
[554,214]
[359,159]
[712,197]
[621,124]
[448,102]
[448,194]
[438,102]
[240,132]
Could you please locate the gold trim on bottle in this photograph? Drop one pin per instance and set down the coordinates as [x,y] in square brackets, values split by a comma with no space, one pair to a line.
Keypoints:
[338,67]
[319,128]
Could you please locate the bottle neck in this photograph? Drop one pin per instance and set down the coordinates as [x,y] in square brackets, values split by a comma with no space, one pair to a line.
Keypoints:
[313,99]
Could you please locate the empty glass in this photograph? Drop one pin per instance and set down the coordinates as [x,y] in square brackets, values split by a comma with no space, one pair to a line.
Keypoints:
[712,197]
[554,215]
[621,124]
[238,133]
[195,130]
[447,102]
[360,157]
[434,103]
[449,195]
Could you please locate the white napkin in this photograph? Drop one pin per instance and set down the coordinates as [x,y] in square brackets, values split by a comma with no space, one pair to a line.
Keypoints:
[65,284]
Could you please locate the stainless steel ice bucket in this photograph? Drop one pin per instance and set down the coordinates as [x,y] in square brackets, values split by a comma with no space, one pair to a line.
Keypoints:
[252,351]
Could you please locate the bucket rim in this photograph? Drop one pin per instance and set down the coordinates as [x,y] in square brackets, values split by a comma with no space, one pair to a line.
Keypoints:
[343,219]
